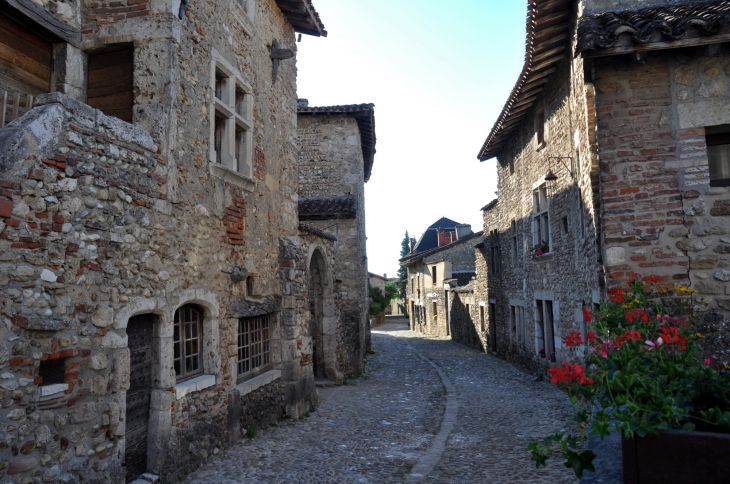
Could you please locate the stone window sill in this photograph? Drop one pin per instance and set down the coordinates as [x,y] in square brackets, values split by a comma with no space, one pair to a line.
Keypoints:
[255,383]
[544,257]
[195,385]
[49,392]
[232,177]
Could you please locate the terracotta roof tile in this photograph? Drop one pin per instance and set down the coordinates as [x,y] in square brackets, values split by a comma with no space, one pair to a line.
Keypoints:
[327,207]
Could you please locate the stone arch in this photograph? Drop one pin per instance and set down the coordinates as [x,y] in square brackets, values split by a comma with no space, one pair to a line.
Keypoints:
[322,320]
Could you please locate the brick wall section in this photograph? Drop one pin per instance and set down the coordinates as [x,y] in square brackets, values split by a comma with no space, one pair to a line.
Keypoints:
[108,12]
[259,165]
[234,218]
[640,194]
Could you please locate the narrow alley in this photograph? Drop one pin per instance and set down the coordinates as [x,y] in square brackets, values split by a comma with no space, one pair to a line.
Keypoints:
[406,421]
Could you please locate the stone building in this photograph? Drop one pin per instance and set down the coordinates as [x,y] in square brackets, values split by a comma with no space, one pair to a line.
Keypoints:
[610,149]
[444,255]
[154,276]
[539,263]
[337,149]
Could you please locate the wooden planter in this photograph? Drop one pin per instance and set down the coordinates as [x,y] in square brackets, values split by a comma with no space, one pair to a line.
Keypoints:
[677,457]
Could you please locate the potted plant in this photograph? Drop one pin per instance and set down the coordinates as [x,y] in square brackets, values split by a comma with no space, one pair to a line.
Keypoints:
[644,378]
[538,250]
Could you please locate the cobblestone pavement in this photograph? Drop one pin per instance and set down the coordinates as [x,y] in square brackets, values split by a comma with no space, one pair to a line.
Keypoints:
[378,427]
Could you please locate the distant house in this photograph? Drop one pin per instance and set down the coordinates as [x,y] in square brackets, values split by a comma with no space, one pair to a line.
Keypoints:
[397,306]
[444,254]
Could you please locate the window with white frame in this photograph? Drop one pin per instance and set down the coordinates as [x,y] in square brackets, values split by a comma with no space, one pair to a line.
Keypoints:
[541,216]
[231,114]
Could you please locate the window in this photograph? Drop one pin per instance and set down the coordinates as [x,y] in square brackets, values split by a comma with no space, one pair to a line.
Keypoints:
[52,372]
[433,275]
[495,257]
[515,252]
[250,288]
[718,154]
[540,128]
[435,311]
[254,345]
[540,216]
[110,78]
[482,322]
[545,329]
[517,314]
[187,341]
[511,166]
[231,112]
[581,221]
[565,225]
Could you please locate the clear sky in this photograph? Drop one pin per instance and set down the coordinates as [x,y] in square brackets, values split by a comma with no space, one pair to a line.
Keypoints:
[439,74]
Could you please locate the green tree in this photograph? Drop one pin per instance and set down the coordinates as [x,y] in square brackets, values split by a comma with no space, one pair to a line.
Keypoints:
[405,249]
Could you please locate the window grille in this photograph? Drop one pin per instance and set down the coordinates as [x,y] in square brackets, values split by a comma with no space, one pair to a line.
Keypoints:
[718,154]
[187,339]
[254,344]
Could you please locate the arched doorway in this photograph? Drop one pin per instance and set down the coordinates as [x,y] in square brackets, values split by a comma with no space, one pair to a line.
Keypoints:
[316,312]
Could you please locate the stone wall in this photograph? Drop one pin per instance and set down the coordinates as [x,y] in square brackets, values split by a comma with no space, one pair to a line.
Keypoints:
[570,274]
[330,165]
[661,216]
[102,221]
[455,257]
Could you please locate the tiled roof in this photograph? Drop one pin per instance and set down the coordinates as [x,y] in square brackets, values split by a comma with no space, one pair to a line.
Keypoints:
[302,16]
[421,255]
[548,40]
[664,23]
[327,207]
[429,239]
[364,114]
[462,278]
[318,232]
[490,205]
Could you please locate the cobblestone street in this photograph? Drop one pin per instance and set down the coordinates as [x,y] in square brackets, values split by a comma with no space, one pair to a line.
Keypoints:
[406,421]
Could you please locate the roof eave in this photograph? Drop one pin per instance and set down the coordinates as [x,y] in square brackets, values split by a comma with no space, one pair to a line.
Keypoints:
[303,17]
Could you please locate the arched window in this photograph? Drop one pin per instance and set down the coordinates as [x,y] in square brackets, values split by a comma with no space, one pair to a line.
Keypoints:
[187,340]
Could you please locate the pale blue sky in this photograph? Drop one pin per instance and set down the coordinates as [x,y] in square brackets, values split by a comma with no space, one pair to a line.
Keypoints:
[439,73]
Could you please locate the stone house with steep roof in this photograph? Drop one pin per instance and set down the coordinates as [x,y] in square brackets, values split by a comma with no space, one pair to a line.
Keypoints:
[154,286]
[610,157]
[444,262]
[336,155]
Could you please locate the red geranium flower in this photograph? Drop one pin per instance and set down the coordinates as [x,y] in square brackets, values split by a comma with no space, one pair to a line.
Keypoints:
[592,336]
[636,315]
[573,339]
[569,373]
[628,335]
[616,295]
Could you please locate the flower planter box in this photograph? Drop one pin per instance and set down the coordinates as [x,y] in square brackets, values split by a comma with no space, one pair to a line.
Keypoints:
[677,457]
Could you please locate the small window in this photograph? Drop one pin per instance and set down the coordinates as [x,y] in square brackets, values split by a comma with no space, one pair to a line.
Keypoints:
[250,288]
[187,342]
[482,322]
[565,225]
[254,345]
[52,372]
[546,329]
[110,82]
[433,275]
[540,216]
[718,154]
[540,128]
[435,310]
[511,166]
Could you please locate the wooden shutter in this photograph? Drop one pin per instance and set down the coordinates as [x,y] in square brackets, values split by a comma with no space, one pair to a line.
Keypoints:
[110,88]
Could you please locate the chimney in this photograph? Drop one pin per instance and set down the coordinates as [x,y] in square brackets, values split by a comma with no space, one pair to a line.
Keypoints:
[411,244]
[385,276]
[463,230]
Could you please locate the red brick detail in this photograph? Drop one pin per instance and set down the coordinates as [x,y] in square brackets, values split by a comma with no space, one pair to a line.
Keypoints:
[259,165]
[233,217]
[6,208]
[21,321]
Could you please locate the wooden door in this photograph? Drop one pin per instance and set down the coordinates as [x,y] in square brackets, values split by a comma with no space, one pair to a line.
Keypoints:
[26,62]
[139,332]
[111,78]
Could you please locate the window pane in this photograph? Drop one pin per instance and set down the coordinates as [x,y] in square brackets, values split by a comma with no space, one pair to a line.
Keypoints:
[719,161]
